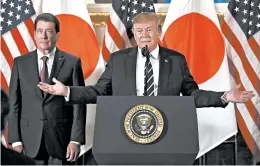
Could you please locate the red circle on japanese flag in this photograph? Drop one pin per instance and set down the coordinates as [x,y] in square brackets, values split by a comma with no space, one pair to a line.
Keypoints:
[78,38]
[199,39]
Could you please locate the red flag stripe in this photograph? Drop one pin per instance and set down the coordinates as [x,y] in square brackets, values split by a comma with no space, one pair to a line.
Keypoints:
[245,132]
[30,26]
[105,52]
[112,30]
[255,47]
[4,84]
[231,37]
[6,52]
[19,41]
[249,105]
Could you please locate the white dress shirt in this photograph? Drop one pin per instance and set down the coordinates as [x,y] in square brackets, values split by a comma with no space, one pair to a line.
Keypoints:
[49,60]
[49,66]
[140,64]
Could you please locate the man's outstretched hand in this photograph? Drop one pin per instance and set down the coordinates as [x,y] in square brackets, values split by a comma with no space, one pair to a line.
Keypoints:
[57,89]
[236,96]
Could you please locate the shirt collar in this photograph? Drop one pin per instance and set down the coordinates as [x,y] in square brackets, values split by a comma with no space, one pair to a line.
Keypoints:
[154,53]
[50,55]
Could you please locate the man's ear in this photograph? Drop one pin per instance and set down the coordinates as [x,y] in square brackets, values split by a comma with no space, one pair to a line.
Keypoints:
[57,36]
[34,36]
[159,34]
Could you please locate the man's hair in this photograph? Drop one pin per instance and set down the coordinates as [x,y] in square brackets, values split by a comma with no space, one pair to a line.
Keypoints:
[48,17]
[147,16]
[4,108]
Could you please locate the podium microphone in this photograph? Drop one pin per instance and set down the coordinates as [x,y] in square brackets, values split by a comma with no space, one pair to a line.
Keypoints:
[145,52]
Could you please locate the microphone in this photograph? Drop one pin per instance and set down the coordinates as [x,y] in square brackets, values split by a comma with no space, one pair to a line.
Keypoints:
[145,52]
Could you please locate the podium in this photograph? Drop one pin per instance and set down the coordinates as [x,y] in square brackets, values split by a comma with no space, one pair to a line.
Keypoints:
[177,144]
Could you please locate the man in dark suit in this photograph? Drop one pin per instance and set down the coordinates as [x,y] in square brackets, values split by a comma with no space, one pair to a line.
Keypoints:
[42,125]
[8,156]
[126,73]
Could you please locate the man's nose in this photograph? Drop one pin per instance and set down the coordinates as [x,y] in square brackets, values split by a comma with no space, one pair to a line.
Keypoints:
[44,35]
[145,33]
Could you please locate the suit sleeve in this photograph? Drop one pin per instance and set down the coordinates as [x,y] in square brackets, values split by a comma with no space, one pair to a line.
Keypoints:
[14,133]
[79,112]
[89,94]
[202,98]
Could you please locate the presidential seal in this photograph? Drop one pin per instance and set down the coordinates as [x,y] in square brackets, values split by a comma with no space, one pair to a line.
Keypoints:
[143,124]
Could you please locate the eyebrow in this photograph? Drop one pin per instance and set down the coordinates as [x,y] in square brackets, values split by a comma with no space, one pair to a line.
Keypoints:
[145,28]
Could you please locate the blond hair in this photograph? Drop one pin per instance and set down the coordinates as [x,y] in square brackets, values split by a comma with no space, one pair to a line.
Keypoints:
[147,16]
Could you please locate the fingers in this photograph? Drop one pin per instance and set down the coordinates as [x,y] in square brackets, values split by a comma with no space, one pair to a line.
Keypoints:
[68,152]
[55,80]
[247,95]
[43,84]
[46,88]
[76,154]
[72,155]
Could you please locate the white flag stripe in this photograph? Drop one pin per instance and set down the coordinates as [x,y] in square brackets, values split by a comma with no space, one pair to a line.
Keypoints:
[37,5]
[5,68]
[109,42]
[116,21]
[257,38]
[27,38]
[10,42]
[251,126]
[243,77]
[251,57]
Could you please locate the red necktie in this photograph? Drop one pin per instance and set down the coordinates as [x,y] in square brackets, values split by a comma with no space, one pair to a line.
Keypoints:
[44,72]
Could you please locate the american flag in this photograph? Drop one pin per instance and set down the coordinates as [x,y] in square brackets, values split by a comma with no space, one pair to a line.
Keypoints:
[241,28]
[17,31]
[118,32]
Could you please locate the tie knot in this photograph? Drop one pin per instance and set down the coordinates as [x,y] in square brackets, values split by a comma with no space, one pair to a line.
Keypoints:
[44,58]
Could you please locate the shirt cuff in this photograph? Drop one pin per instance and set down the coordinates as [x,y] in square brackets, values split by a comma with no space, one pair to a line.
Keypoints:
[75,142]
[16,144]
[67,98]
[223,98]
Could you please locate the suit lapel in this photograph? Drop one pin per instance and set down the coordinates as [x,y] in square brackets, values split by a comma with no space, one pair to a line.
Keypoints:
[35,74]
[56,67]
[164,71]
[130,63]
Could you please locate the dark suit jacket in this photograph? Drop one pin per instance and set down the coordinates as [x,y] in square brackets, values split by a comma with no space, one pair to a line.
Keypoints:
[33,113]
[10,157]
[119,79]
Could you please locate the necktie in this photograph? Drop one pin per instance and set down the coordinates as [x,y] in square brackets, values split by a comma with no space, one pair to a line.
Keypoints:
[44,72]
[148,78]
